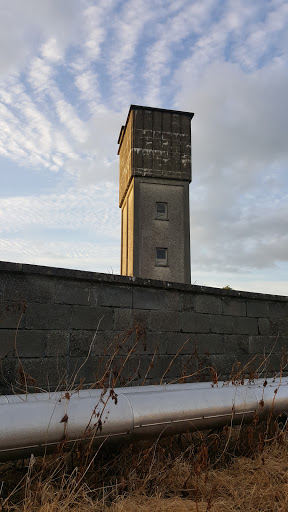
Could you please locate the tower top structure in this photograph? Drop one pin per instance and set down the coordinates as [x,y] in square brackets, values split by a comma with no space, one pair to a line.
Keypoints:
[154,142]
[155,172]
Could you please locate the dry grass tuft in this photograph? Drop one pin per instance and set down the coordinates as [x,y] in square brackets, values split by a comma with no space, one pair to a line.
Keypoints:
[184,473]
[240,469]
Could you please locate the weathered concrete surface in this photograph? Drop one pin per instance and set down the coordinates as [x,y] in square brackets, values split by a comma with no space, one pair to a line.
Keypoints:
[49,317]
[155,166]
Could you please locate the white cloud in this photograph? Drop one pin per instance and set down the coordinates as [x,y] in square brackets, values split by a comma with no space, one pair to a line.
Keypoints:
[95,257]
[94,17]
[240,156]
[93,210]
[24,24]
[51,50]
[39,75]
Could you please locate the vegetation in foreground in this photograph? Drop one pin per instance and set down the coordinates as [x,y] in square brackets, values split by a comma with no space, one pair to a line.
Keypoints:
[232,469]
[228,469]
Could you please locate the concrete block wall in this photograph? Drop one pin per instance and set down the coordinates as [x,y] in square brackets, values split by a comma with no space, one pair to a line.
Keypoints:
[61,328]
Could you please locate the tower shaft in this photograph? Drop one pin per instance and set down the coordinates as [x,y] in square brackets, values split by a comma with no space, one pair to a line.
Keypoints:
[155,172]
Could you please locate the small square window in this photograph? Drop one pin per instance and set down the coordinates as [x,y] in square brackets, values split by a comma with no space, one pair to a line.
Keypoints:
[162,211]
[161,256]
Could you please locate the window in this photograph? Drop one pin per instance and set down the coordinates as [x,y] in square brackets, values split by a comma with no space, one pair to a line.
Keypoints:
[162,211]
[161,257]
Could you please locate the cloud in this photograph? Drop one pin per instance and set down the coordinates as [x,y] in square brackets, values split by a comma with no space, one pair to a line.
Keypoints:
[39,75]
[240,156]
[24,24]
[95,257]
[93,211]
[51,50]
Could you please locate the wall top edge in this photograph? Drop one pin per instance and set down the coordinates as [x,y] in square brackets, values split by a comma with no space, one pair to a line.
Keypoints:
[27,269]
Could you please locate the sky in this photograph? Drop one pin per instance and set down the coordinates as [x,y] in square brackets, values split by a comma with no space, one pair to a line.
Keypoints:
[69,70]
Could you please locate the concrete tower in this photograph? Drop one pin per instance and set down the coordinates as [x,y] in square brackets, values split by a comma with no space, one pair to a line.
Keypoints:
[155,172]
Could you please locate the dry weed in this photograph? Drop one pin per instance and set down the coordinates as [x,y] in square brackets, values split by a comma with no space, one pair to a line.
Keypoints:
[168,475]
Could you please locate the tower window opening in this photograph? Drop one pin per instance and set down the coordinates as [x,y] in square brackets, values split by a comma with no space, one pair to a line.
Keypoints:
[161,257]
[162,211]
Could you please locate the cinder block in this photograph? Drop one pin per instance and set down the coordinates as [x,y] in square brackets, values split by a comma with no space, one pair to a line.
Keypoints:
[8,375]
[244,325]
[173,300]
[233,307]
[191,367]
[197,367]
[180,342]
[30,288]
[30,343]
[84,317]
[147,120]
[147,159]
[278,309]
[161,321]
[138,140]
[257,308]
[169,342]
[122,319]
[14,287]
[12,315]
[275,327]
[279,327]
[48,373]
[221,324]
[45,316]
[175,124]
[166,122]
[227,364]
[83,342]
[133,342]
[157,119]
[57,343]
[264,344]
[145,367]
[7,342]
[157,146]
[208,304]
[209,343]
[195,322]
[138,159]
[148,298]
[141,319]
[236,344]
[156,342]
[120,372]
[88,371]
[185,125]
[189,301]
[264,326]
[147,143]
[72,292]
[109,295]
[138,119]
[275,365]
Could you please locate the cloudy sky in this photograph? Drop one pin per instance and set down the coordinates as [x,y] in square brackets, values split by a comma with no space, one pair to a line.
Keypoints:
[69,70]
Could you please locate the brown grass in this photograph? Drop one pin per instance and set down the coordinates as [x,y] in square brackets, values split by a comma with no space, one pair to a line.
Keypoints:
[240,469]
[227,470]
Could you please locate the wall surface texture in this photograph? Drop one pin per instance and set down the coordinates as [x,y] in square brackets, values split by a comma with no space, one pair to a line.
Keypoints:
[59,328]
